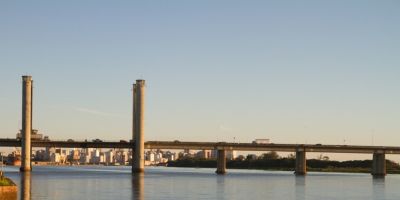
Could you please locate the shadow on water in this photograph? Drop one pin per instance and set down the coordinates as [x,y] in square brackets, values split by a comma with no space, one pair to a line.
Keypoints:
[378,188]
[138,186]
[300,187]
[220,187]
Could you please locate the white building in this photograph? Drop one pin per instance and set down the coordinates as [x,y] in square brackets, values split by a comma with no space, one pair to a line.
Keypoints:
[109,157]
[55,158]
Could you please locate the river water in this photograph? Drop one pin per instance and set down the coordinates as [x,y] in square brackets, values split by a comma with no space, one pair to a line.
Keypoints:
[100,182]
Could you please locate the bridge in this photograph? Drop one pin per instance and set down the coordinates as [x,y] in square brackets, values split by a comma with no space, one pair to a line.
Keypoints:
[138,144]
[317,148]
[299,149]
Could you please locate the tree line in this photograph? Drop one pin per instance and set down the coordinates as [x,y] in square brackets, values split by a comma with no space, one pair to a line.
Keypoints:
[272,161]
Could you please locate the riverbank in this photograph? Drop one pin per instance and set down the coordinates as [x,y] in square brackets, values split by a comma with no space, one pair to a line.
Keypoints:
[4,181]
[287,164]
[8,189]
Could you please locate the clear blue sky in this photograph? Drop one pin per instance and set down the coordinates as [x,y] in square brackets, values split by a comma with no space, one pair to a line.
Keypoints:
[295,72]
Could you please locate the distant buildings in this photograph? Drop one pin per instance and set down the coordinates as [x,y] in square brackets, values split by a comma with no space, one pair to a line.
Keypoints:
[205,154]
[14,158]
[94,156]
[158,157]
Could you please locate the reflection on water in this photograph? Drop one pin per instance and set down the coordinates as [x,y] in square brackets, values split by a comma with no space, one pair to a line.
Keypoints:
[97,182]
[220,186]
[300,187]
[378,188]
[25,190]
[138,186]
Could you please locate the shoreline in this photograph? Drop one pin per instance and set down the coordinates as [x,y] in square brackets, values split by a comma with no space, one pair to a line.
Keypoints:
[327,170]
[287,164]
[8,189]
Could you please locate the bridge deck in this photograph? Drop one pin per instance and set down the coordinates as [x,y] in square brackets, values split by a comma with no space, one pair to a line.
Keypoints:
[210,146]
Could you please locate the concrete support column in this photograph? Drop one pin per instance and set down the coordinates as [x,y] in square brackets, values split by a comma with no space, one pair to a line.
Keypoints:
[133,112]
[221,162]
[379,164]
[301,165]
[26,123]
[138,158]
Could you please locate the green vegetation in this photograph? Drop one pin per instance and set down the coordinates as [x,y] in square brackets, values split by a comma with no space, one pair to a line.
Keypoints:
[271,161]
[6,181]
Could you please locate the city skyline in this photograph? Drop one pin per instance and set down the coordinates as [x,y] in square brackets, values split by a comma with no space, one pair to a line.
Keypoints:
[314,77]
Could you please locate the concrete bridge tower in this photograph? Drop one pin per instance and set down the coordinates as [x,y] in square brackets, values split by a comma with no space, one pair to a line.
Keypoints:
[26,123]
[138,126]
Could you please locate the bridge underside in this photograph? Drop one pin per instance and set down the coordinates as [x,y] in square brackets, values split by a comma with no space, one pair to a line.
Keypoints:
[210,146]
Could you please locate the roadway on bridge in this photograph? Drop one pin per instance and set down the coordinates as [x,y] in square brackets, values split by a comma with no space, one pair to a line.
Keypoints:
[210,146]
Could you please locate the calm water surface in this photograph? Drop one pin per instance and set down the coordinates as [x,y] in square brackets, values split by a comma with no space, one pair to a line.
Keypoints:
[98,182]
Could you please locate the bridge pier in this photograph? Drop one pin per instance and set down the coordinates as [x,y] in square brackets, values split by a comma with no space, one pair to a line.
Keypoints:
[379,164]
[138,126]
[26,131]
[221,162]
[301,164]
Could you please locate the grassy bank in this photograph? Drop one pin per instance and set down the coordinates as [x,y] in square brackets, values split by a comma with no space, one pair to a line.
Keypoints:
[4,181]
